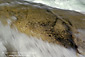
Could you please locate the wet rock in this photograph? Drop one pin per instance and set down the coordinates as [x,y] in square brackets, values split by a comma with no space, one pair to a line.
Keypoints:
[50,24]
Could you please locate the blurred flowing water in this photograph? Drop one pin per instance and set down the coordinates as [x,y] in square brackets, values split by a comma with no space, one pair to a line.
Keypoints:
[17,44]
[76,5]
[27,46]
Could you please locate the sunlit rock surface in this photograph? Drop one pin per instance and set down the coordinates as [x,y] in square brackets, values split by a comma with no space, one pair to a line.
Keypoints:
[50,24]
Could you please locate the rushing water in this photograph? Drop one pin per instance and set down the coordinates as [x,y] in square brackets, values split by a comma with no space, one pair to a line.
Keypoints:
[77,5]
[27,46]
[15,43]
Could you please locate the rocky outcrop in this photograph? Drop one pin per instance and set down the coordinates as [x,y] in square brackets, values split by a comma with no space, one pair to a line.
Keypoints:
[50,24]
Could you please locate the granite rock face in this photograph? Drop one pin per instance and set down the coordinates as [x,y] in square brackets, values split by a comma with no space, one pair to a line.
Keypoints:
[50,24]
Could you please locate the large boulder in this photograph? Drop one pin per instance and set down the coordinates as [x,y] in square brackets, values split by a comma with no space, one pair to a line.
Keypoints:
[40,21]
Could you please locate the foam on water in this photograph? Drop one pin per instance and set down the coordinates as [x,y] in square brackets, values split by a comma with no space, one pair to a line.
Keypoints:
[76,5]
[22,45]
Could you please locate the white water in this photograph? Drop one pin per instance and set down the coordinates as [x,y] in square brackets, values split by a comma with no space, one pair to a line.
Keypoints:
[27,46]
[76,5]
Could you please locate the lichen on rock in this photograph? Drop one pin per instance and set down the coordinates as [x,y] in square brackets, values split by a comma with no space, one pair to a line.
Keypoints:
[49,24]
